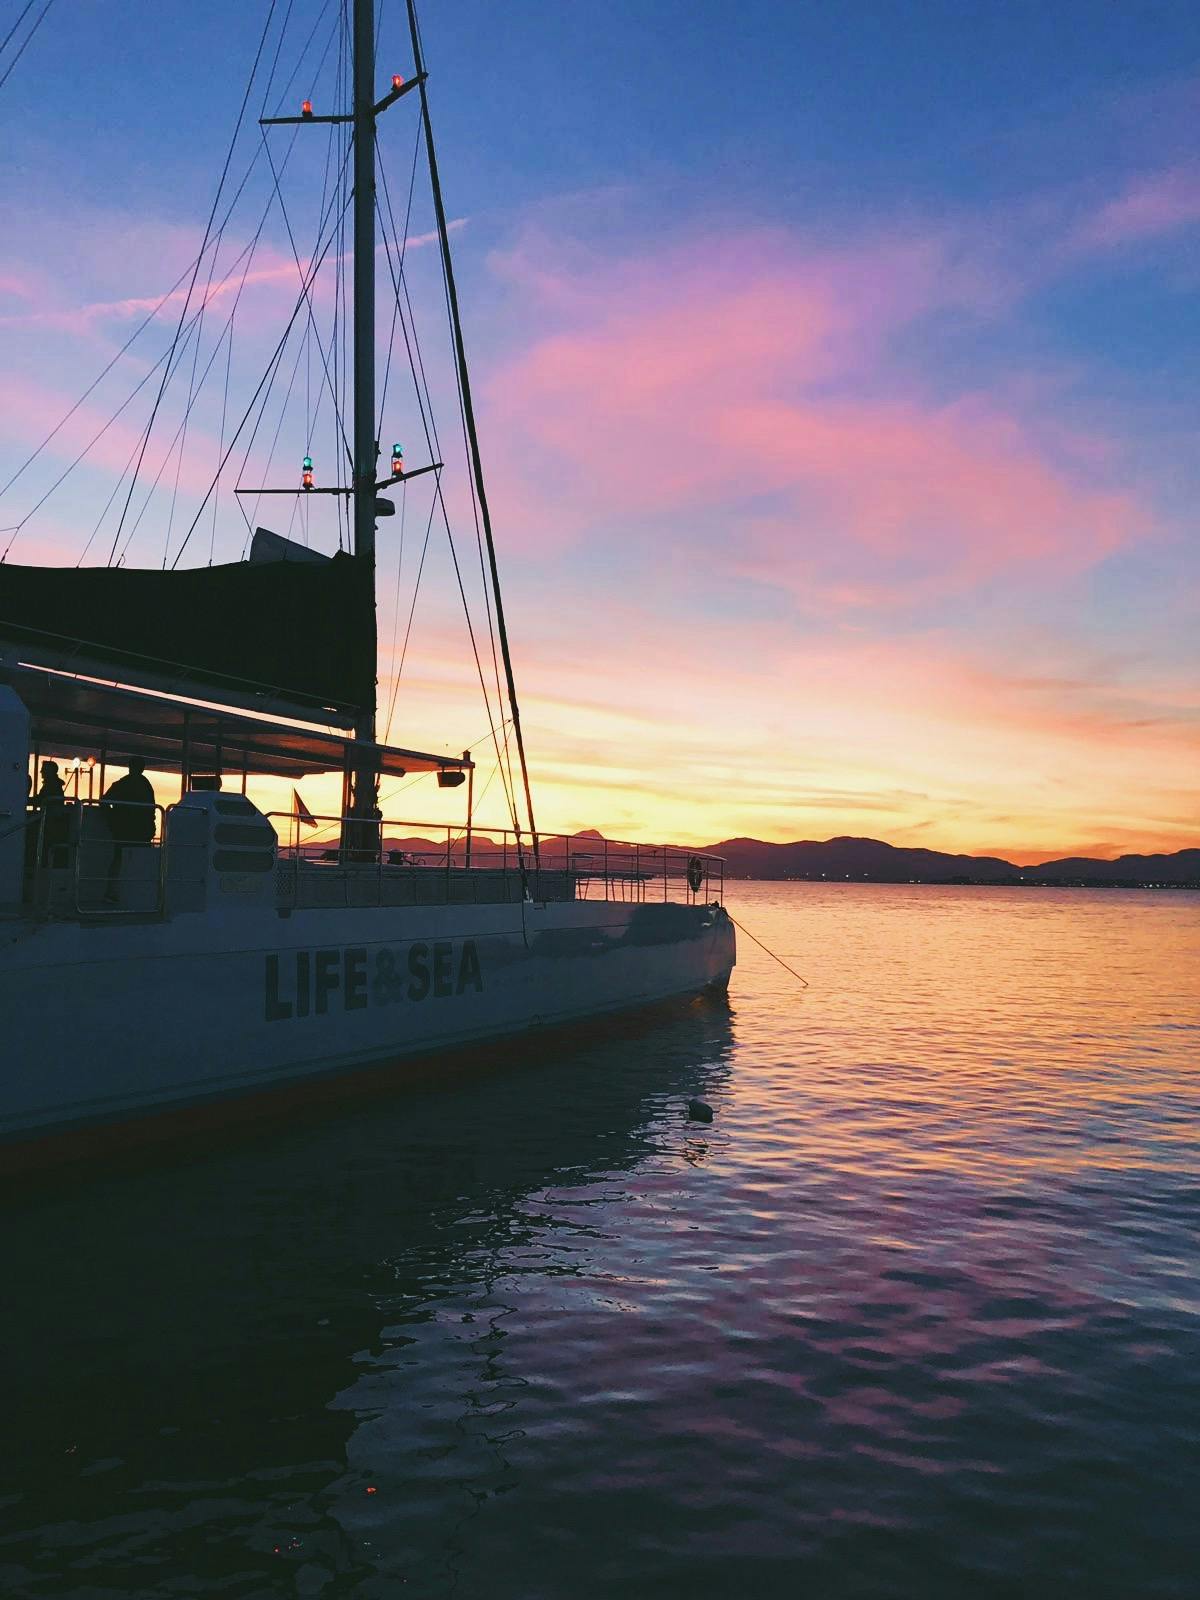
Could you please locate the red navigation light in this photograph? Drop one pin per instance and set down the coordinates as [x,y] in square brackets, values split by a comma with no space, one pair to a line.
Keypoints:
[397,81]
[306,108]
[306,473]
[397,461]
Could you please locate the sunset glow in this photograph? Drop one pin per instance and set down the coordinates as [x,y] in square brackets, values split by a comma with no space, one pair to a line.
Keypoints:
[839,497]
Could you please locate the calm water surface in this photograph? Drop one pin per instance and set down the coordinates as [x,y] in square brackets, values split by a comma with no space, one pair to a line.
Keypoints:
[918,1314]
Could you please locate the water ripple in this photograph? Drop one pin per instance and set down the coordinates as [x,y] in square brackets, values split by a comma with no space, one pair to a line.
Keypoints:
[916,1314]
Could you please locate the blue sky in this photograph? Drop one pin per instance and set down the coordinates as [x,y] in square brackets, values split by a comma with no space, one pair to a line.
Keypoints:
[861,344]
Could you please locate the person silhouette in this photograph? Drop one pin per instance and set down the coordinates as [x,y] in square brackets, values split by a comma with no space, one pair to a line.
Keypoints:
[129,811]
[51,802]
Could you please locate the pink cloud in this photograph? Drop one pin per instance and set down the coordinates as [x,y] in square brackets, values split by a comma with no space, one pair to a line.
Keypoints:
[690,391]
[937,498]
[1151,205]
[18,285]
[275,267]
[28,411]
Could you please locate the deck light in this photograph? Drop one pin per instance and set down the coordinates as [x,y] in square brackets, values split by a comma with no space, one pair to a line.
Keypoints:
[306,108]
[306,478]
[397,461]
[397,81]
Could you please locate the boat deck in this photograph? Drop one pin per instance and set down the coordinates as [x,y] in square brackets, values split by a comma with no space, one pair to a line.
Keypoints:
[85,877]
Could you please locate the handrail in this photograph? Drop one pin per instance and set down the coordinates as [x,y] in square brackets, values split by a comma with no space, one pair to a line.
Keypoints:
[46,841]
[619,869]
[367,871]
[486,835]
[108,908]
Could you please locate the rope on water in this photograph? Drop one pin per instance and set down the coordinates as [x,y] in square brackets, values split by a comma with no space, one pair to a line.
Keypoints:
[770,952]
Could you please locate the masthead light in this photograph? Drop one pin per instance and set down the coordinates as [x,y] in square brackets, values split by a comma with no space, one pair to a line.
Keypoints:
[306,108]
[306,473]
[397,461]
[397,81]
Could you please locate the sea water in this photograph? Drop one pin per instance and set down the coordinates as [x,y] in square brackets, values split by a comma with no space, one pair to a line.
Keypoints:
[917,1314]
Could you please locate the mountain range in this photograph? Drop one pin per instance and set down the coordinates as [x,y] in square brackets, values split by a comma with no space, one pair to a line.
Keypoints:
[869,860]
[877,862]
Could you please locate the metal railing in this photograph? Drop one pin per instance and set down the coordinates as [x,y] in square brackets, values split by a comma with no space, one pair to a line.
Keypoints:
[77,863]
[396,861]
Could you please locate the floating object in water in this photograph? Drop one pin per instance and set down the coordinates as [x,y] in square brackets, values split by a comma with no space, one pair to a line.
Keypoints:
[699,1111]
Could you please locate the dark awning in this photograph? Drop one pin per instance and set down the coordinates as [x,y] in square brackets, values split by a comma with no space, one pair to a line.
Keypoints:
[84,716]
[286,635]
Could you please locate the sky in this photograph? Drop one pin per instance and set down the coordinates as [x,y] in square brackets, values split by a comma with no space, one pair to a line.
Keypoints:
[837,370]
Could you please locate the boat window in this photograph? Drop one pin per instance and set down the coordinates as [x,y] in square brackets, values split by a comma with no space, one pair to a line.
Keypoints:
[232,805]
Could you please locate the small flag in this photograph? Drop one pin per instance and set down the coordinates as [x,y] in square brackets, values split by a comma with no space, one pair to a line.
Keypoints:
[301,810]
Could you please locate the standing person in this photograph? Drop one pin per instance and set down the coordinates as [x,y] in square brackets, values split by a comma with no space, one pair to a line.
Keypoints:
[129,810]
[51,802]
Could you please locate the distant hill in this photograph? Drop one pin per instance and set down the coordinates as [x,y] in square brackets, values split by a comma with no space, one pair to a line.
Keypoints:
[861,860]
[877,862]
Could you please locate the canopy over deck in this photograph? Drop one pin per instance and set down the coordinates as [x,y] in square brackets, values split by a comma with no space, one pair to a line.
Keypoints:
[176,735]
[281,633]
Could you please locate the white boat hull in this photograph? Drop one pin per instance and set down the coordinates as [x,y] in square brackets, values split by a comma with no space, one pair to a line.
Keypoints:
[110,1023]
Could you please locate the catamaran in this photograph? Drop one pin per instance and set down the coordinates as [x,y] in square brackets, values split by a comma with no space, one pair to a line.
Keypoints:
[202,951]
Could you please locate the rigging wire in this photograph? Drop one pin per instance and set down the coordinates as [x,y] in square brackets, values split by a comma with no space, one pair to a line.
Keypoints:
[312,321]
[24,12]
[265,380]
[387,728]
[212,538]
[187,410]
[312,33]
[487,600]
[226,331]
[180,432]
[193,325]
[400,788]
[207,230]
[283,28]
[283,411]
[340,363]
[41,17]
[99,434]
[475,457]
[141,327]
[433,445]
[412,612]
[401,251]
[272,366]
[246,255]
[462,414]
[431,441]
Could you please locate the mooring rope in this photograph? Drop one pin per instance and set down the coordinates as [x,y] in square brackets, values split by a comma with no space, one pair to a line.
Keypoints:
[770,952]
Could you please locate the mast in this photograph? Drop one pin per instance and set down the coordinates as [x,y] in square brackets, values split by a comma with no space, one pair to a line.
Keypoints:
[468,409]
[366,449]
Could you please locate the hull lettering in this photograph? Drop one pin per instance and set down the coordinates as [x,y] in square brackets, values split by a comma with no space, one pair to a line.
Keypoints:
[300,983]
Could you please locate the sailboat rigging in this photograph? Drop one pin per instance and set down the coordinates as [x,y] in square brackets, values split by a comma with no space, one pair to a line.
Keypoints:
[266,669]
